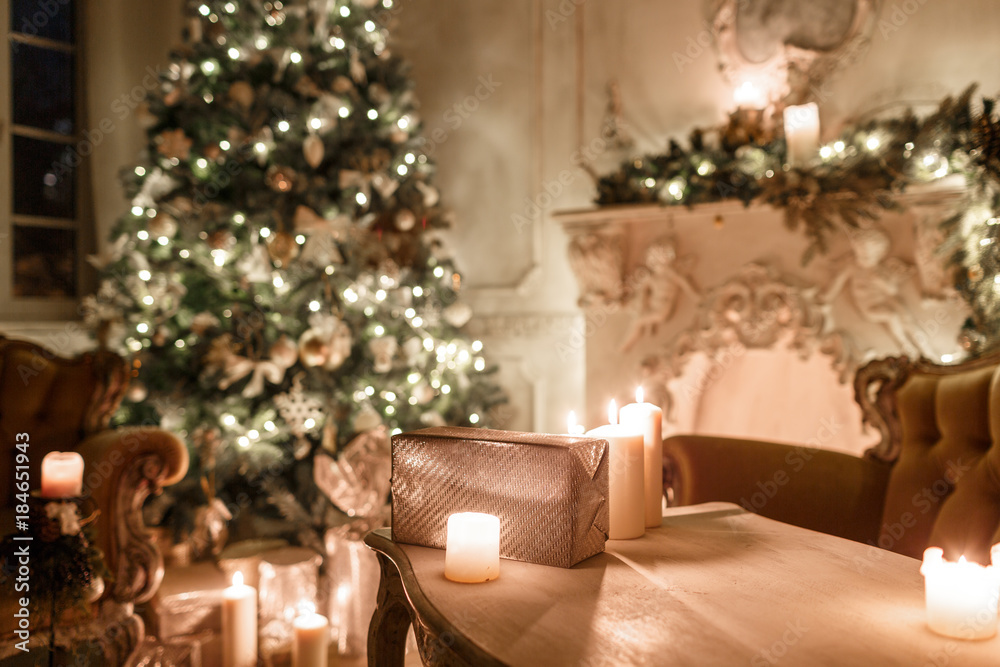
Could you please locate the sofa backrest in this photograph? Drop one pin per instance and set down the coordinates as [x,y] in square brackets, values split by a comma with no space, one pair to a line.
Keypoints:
[55,401]
[941,429]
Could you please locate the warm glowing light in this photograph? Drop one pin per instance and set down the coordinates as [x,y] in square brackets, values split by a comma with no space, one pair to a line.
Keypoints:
[612,412]
[872,143]
[571,424]
[750,96]
[145,275]
[361,199]
[639,395]
[314,306]
[309,423]
[283,125]
[237,578]
[372,114]
[148,300]
[295,57]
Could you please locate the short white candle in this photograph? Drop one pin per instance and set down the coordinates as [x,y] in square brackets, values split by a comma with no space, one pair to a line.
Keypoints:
[802,133]
[62,475]
[648,420]
[472,550]
[626,483]
[312,639]
[961,597]
[239,624]
[749,96]
[572,427]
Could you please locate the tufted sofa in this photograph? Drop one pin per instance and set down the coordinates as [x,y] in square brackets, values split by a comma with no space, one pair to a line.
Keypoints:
[67,404]
[933,479]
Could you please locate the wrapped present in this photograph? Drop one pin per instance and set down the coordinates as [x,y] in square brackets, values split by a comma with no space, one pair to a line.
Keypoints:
[549,491]
[187,602]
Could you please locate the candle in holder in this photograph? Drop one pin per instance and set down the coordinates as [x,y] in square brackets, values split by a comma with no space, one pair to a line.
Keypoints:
[626,477]
[239,624]
[312,638]
[801,133]
[472,552]
[749,96]
[62,475]
[961,597]
[648,420]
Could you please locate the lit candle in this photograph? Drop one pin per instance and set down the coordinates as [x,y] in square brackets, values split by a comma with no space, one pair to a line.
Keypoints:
[749,96]
[648,420]
[961,597]
[62,475]
[802,133]
[239,624]
[312,638]
[572,427]
[472,549]
[626,485]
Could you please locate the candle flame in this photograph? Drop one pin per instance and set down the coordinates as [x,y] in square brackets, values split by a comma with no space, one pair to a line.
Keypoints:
[612,412]
[961,559]
[237,578]
[571,423]
[307,608]
[639,395]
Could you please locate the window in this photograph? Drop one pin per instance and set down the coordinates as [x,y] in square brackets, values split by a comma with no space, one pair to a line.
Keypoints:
[44,223]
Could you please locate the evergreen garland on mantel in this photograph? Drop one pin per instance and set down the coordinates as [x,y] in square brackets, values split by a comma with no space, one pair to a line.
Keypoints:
[852,182]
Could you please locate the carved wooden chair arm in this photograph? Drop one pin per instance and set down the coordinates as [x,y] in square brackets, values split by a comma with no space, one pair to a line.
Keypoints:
[123,467]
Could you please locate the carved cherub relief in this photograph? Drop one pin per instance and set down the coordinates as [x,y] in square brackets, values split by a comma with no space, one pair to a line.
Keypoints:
[873,281]
[657,294]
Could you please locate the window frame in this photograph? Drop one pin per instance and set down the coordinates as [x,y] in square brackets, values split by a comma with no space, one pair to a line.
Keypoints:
[45,309]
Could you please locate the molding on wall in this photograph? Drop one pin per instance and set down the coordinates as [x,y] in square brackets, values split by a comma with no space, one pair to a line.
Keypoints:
[523,325]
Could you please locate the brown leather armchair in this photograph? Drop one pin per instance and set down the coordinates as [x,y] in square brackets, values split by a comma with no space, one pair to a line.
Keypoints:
[934,478]
[66,404]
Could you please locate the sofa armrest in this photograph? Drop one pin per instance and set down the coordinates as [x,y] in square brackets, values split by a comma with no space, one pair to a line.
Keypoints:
[818,489]
[123,467]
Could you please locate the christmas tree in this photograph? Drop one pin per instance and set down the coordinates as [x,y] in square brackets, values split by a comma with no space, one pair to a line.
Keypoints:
[279,279]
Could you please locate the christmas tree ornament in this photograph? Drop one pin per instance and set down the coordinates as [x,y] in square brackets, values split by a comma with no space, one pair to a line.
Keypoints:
[282,247]
[301,412]
[429,193]
[162,225]
[242,93]
[313,150]
[281,179]
[174,144]
[366,419]
[457,314]
[383,349]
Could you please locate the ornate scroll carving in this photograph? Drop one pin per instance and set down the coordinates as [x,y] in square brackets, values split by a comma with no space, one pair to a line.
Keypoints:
[597,260]
[875,387]
[757,308]
[139,564]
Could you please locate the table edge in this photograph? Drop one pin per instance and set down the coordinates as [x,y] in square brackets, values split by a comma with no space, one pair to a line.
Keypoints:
[380,541]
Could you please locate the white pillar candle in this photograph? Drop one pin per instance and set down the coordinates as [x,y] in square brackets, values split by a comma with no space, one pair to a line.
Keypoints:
[648,420]
[62,475]
[961,597]
[312,639]
[472,550]
[239,624]
[802,133]
[626,484]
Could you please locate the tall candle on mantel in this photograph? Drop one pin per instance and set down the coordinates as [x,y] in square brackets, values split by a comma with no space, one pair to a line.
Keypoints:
[648,420]
[572,427]
[62,475]
[626,484]
[312,639]
[239,624]
[801,133]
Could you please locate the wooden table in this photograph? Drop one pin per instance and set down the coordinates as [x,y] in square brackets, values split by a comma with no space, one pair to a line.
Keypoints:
[714,585]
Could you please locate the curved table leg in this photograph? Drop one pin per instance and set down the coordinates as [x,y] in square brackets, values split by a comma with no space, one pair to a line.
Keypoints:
[391,620]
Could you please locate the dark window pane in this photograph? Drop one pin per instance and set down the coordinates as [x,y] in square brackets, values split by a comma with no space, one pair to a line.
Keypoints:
[44,262]
[43,87]
[44,18]
[44,178]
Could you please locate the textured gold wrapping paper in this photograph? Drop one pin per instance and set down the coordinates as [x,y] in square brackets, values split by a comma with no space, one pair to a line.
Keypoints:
[549,491]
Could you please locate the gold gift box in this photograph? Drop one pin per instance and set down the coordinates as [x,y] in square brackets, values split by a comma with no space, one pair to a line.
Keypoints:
[549,491]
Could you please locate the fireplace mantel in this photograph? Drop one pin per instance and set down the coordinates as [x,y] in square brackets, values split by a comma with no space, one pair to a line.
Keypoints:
[713,311]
